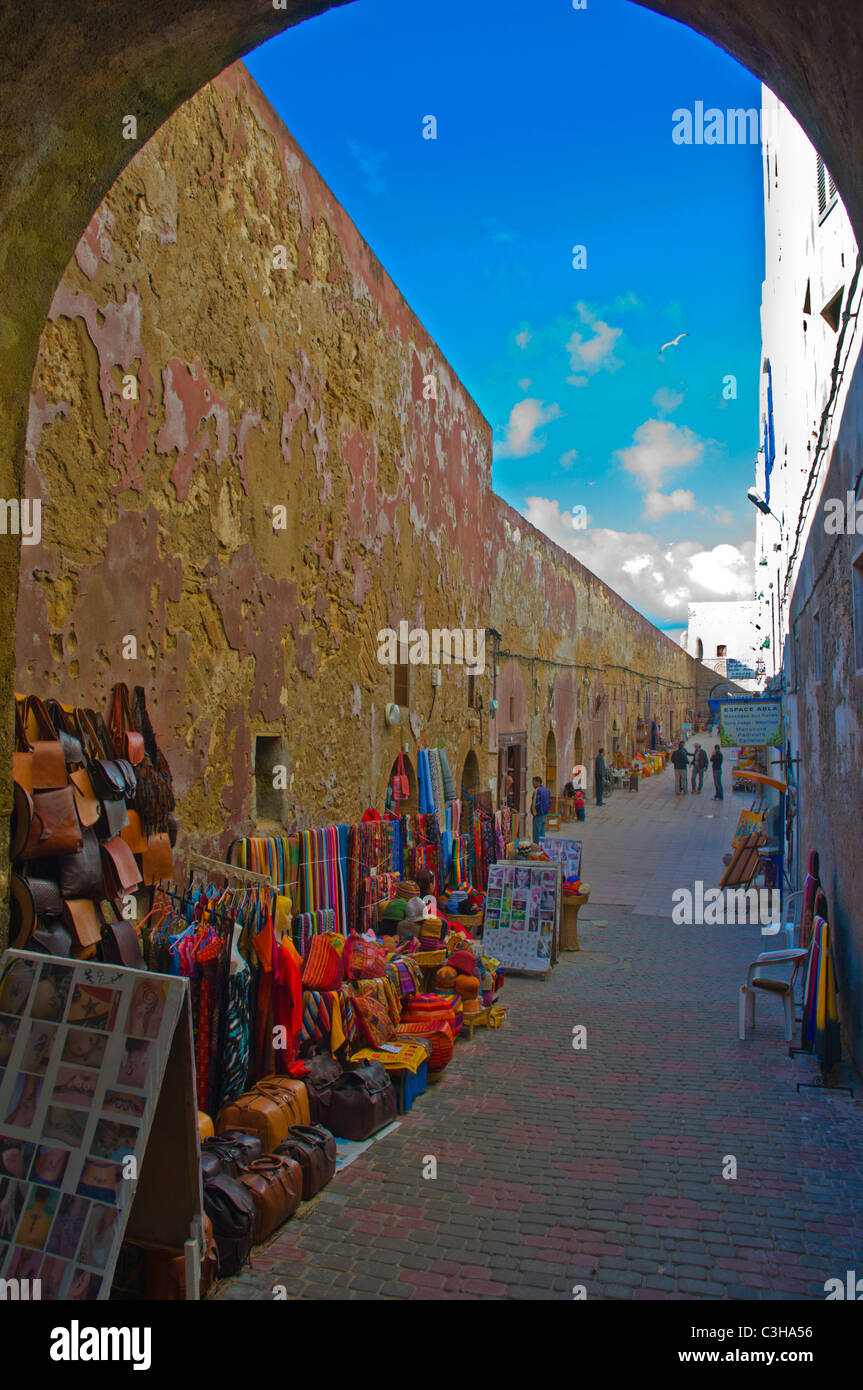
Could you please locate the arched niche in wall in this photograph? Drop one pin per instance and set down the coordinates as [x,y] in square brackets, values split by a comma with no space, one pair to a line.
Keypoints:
[551,762]
[412,804]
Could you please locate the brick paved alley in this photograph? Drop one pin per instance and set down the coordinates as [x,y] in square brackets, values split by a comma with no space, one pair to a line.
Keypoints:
[604,1168]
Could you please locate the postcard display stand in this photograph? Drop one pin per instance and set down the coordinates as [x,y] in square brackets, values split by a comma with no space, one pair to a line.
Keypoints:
[98,1123]
[522,914]
[565,852]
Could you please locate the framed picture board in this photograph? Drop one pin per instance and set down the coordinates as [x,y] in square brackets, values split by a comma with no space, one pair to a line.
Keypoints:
[522,915]
[98,1126]
[567,853]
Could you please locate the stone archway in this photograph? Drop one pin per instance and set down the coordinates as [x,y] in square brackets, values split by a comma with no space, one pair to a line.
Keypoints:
[68,81]
[551,763]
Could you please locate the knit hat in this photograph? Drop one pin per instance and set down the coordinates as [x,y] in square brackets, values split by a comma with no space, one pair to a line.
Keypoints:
[415,910]
[394,910]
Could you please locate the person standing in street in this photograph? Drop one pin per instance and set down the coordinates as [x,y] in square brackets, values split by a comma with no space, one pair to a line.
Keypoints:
[599,775]
[680,763]
[716,764]
[540,805]
[699,767]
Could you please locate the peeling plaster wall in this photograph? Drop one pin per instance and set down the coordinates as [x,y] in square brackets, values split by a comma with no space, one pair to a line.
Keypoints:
[299,388]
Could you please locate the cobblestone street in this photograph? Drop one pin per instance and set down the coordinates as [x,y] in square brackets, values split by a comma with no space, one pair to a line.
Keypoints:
[603,1167]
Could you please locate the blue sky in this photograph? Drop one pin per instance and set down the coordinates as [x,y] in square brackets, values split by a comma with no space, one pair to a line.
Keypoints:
[551,134]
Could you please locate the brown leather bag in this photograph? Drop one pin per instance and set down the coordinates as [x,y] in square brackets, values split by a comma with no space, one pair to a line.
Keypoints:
[275,1186]
[86,800]
[44,824]
[314,1148]
[323,1071]
[133,834]
[268,1110]
[120,871]
[360,1102]
[40,764]
[157,860]
[128,743]
[82,918]
[166,1273]
[121,945]
[81,874]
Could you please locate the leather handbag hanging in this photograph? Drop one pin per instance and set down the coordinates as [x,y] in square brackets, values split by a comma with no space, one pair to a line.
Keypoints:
[44,824]
[276,1188]
[121,873]
[52,938]
[231,1209]
[154,797]
[121,945]
[38,765]
[314,1149]
[82,918]
[127,741]
[133,834]
[268,1110]
[81,874]
[86,800]
[63,719]
[107,778]
[157,860]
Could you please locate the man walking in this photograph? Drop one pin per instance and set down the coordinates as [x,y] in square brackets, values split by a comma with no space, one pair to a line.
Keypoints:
[540,805]
[680,762]
[716,764]
[599,775]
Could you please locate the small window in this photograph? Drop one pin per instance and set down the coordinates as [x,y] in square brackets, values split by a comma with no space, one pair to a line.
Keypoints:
[832,311]
[857,608]
[471,691]
[401,684]
[271,794]
[511,710]
[826,189]
[816,647]
[721,651]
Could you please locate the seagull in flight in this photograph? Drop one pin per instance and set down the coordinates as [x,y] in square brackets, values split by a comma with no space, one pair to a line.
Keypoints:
[674,342]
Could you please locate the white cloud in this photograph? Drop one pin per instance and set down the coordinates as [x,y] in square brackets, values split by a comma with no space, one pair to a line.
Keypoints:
[723,516]
[659,447]
[657,504]
[660,580]
[568,459]
[667,399]
[523,338]
[524,382]
[526,417]
[589,355]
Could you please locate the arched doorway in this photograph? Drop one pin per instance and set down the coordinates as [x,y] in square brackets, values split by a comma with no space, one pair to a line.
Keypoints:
[468,790]
[615,740]
[551,763]
[578,758]
[410,806]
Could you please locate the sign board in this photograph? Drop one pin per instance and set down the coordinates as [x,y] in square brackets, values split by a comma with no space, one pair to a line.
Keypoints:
[567,853]
[96,1074]
[750,723]
[521,914]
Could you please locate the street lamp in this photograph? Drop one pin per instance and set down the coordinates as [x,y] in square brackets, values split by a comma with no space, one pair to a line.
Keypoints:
[758,501]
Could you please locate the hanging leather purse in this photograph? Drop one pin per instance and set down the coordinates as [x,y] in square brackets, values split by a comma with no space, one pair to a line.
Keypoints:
[120,872]
[38,765]
[275,1186]
[81,874]
[63,719]
[51,937]
[157,861]
[133,834]
[47,899]
[121,945]
[82,918]
[107,778]
[128,742]
[86,800]
[44,824]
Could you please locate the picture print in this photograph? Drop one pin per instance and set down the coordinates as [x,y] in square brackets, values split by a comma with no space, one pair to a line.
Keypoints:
[15,986]
[51,993]
[94,1007]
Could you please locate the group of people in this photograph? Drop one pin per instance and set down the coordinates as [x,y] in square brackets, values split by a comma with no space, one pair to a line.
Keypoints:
[681,760]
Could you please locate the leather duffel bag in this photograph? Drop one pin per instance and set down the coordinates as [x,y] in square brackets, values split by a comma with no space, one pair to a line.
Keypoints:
[232,1211]
[360,1102]
[275,1184]
[323,1071]
[230,1153]
[268,1110]
[314,1148]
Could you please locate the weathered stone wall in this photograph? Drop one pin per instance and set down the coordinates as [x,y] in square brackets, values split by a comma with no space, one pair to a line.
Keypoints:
[826,732]
[300,388]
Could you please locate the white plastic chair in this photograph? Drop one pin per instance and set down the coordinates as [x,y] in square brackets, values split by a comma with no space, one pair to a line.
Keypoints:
[783,989]
[789,925]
